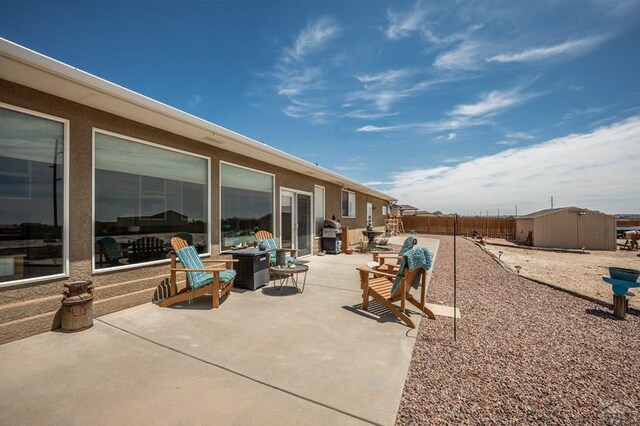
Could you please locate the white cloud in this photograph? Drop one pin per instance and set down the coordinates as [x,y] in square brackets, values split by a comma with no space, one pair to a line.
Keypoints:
[520,135]
[455,123]
[540,53]
[457,159]
[364,115]
[385,89]
[299,79]
[463,116]
[466,56]
[492,102]
[402,24]
[578,169]
[386,78]
[312,38]
[194,101]
[294,81]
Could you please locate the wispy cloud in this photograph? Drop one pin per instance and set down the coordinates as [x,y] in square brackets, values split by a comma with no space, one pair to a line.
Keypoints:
[576,169]
[571,47]
[383,90]
[294,81]
[402,24]
[520,135]
[456,123]
[458,159]
[514,138]
[591,111]
[464,115]
[364,115]
[492,103]
[386,78]
[467,56]
[194,101]
[312,38]
[297,76]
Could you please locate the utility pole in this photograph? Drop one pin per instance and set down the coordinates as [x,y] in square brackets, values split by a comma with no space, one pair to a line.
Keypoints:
[552,201]
[516,210]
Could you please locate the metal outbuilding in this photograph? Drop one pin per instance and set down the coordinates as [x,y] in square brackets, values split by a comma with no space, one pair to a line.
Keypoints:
[568,228]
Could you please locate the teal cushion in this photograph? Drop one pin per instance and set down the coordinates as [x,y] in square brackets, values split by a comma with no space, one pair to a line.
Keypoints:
[227,275]
[271,244]
[189,259]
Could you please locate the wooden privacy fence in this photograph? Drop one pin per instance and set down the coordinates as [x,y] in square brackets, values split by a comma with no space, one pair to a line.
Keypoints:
[627,222]
[493,227]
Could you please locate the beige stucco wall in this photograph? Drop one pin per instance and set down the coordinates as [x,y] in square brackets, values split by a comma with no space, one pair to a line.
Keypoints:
[32,308]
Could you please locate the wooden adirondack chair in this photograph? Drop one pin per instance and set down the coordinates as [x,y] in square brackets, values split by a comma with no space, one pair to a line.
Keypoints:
[221,277]
[389,261]
[147,249]
[266,235]
[109,251]
[378,284]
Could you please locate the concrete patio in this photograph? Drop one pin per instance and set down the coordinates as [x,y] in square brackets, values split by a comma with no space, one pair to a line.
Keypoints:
[267,357]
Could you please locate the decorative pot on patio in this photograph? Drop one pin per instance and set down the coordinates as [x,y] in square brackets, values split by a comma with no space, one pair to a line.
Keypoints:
[77,306]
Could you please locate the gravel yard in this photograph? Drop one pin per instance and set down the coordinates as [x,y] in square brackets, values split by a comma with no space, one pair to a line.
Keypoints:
[525,353]
[579,272]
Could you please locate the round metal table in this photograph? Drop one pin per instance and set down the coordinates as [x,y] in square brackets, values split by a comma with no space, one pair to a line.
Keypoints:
[286,274]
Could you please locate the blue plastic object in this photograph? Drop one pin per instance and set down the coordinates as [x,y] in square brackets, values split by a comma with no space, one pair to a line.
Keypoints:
[620,287]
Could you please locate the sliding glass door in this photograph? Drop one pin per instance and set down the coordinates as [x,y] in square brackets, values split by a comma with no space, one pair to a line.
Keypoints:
[296,221]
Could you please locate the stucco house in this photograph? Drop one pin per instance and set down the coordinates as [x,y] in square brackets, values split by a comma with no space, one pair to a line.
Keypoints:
[85,162]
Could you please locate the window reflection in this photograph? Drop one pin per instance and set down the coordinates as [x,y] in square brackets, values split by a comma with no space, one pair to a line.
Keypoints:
[31,196]
[246,198]
[144,196]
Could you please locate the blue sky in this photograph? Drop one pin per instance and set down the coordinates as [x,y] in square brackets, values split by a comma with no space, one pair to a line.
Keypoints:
[459,106]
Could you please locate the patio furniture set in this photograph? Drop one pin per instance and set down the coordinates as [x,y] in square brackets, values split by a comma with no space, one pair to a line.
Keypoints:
[387,283]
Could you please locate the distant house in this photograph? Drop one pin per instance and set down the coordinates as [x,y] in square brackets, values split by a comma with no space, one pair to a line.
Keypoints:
[569,228]
[404,210]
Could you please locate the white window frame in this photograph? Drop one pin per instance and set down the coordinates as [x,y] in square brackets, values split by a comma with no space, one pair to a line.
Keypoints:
[273,180]
[384,210]
[65,212]
[93,200]
[351,215]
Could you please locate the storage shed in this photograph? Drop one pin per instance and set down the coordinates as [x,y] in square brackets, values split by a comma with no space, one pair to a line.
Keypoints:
[568,228]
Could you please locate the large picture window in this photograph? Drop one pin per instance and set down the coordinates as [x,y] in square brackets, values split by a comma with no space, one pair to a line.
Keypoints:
[246,204]
[144,196]
[32,207]
[348,204]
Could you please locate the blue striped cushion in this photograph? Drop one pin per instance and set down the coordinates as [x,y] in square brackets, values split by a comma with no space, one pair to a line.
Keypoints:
[227,275]
[189,259]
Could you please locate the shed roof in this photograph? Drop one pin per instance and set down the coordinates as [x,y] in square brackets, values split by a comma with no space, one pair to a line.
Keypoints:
[32,69]
[546,212]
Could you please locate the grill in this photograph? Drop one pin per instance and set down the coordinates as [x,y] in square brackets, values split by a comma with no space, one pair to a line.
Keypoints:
[332,237]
